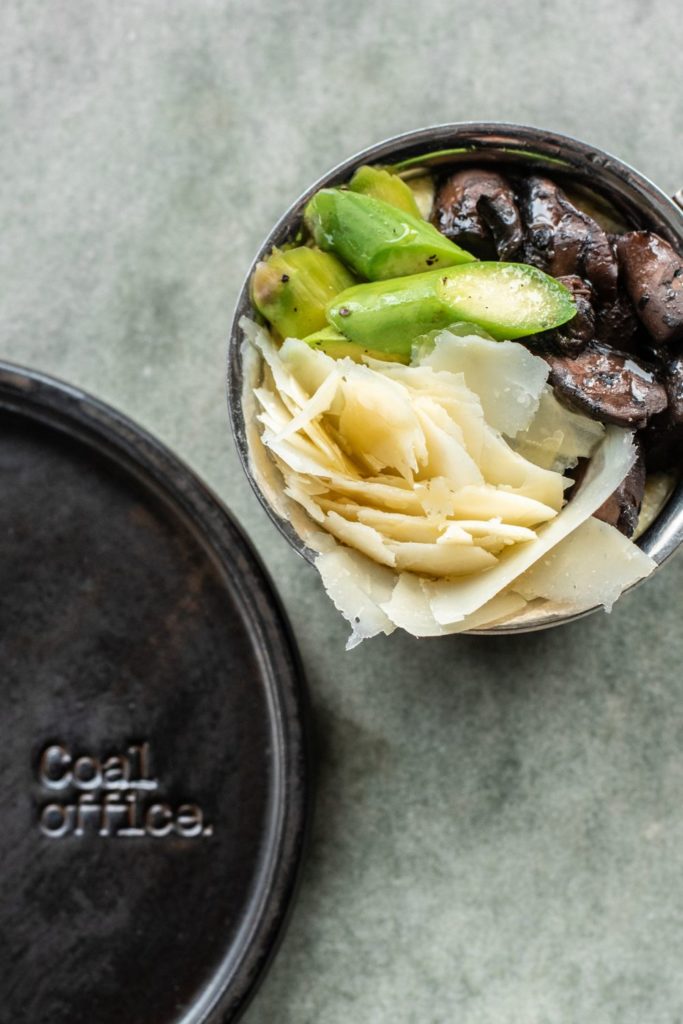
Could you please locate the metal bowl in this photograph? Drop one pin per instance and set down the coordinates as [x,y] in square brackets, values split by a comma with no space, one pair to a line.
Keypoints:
[608,182]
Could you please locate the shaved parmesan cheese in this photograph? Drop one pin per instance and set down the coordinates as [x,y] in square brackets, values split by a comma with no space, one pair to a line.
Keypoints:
[433,493]
[435,497]
[492,535]
[451,601]
[496,612]
[278,415]
[441,559]
[455,534]
[309,484]
[264,469]
[319,403]
[591,566]
[308,503]
[330,452]
[409,608]
[300,454]
[466,411]
[484,528]
[487,502]
[358,587]
[424,379]
[374,492]
[311,367]
[557,437]
[446,453]
[505,376]
[501,465]
[393,525]
[378,420]
[363,538]
[496,460]
[286,383]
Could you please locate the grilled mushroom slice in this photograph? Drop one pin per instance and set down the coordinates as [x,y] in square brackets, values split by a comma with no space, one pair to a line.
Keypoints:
[653,272]
[477,209]
[610,386]
[619,327]
[563,240]
[572,337]
[622,508]
[673,382]
[663,438]
[663,444]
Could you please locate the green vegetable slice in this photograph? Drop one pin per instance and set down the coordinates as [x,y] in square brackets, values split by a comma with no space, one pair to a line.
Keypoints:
[381,184]
[508,300]
[292,288]
[377,240]
[336,345]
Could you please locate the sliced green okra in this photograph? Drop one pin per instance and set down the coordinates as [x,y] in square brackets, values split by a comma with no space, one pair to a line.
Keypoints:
[377,240]
[292,288]
[381,184]
[508,300]
[333,343]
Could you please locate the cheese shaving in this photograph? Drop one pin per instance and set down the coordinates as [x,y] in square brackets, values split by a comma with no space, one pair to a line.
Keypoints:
[557,437]
[434,493]
[451,601]
[507,378]
[592,566]
[358,588]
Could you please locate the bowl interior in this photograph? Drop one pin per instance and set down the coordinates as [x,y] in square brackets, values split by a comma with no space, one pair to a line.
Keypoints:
[616,194]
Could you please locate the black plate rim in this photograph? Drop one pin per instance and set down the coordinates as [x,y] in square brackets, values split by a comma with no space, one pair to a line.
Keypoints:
[77,414]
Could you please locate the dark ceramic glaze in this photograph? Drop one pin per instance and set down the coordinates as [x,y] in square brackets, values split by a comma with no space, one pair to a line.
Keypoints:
[147,882]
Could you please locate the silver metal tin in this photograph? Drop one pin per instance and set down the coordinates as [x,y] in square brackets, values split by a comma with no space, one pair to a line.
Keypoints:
[640,203]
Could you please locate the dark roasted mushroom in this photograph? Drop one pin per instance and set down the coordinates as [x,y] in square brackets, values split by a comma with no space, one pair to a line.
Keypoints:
[622,508]
[653,272]
[563,240]
[619,327]
[577,474]
[673,382]
[663,438]
[572,337]
[663,444]
[477,209]
[609,386]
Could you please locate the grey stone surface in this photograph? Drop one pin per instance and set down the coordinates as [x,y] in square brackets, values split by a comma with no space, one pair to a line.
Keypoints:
[499,825]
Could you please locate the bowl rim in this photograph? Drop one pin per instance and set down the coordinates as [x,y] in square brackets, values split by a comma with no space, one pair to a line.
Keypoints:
[491,141]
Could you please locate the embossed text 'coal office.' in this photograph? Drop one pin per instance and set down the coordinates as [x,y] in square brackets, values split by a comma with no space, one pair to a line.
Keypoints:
[106,797]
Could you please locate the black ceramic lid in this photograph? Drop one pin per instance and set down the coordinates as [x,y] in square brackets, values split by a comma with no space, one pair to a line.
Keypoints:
[152,758]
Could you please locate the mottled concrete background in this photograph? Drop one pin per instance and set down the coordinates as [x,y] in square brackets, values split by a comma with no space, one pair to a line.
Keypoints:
[500,823]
